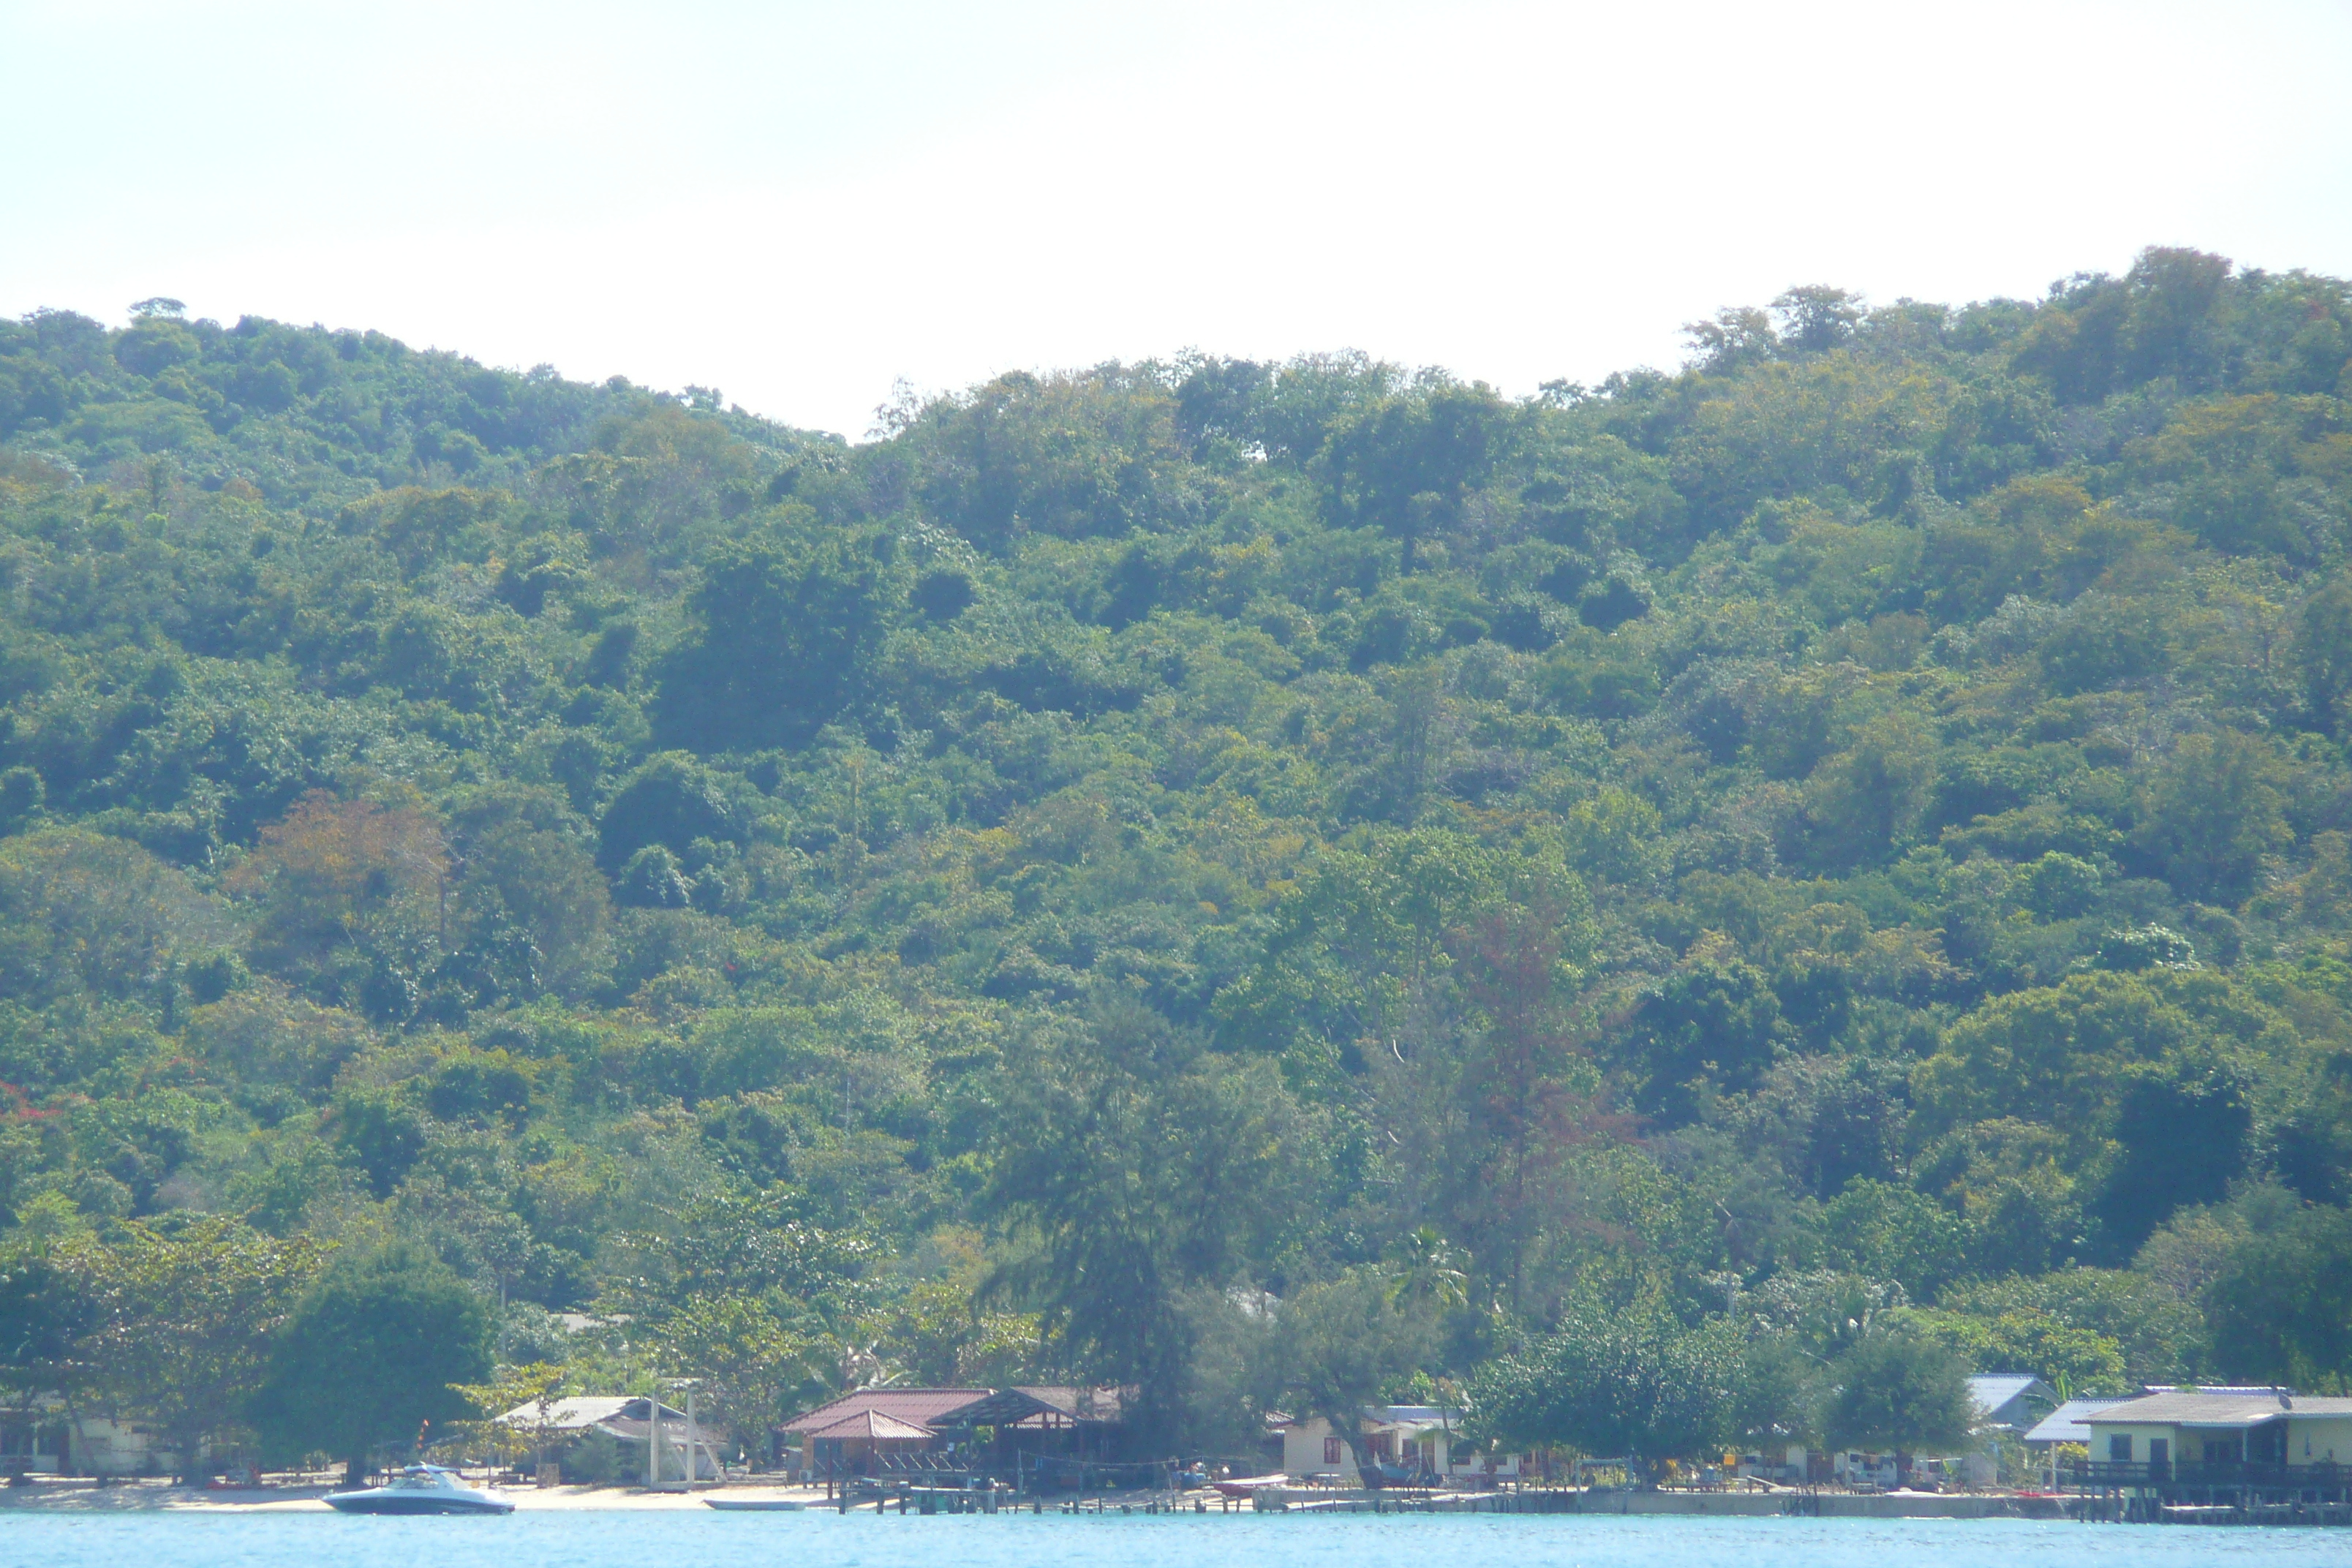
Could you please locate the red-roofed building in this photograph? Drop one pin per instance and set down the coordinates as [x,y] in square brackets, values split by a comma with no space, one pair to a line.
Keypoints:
[928,1408]
[877,1430]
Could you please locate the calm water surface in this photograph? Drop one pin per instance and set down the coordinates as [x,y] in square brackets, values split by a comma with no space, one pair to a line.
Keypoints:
[622,1540]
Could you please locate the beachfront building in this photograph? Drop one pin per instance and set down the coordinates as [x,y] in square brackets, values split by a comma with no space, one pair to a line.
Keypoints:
[47,1438]
[33,1442]
[2006,1404]
[606,1437]
[2009,1402]
[1785,1464]
[1407,1442]
[2220,1445]
[2070,1423]
[1020,1433]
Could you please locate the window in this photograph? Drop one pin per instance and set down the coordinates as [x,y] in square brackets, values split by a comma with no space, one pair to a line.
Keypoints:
[2119,1448]
[1330,1450]
[2160,1453]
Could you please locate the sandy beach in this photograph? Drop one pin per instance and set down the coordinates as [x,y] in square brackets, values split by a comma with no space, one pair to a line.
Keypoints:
[71,1495]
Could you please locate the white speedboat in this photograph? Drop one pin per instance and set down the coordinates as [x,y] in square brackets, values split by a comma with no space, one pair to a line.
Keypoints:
[420,1488]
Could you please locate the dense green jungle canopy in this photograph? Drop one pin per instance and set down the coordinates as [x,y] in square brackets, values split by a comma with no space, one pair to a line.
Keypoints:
[1260,883]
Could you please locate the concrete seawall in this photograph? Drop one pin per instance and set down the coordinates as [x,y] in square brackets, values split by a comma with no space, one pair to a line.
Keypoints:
[1829,1505]
[1716,1505]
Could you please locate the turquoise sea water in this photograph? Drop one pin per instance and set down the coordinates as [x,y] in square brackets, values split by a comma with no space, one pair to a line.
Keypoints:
[711,1539]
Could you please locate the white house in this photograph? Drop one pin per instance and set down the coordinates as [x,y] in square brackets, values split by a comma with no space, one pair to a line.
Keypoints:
[1421,1439]
[47,1439]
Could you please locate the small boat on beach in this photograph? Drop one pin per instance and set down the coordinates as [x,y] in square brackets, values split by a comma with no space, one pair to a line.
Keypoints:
[420,1488]
[1242,1486]
[757,1504]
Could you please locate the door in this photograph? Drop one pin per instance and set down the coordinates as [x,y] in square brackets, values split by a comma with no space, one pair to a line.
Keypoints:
[2266,1444]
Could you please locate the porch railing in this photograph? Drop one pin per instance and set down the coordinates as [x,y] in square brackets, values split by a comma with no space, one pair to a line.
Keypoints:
[2100,1475]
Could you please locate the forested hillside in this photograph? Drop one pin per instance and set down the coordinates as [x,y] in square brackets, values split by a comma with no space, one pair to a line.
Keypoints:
[1262,883]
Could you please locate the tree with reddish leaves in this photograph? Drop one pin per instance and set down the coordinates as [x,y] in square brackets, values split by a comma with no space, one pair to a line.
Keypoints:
[350,897]
[1525,1089]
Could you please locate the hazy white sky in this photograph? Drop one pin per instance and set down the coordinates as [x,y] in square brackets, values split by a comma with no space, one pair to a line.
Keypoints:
[798,204]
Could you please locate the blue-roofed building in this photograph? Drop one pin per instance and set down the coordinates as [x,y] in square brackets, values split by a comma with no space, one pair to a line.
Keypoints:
[2011,1401]
[2069,1422]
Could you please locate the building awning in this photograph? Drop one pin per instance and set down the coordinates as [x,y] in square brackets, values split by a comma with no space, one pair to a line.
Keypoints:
[2066,1424]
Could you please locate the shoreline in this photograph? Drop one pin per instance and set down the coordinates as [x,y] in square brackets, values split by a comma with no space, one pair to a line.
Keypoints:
[157,1497]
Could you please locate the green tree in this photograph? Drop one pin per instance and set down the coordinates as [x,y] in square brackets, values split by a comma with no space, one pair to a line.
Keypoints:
[2053,1054]
[2323,654]
[2182,1130]
[783,637]
[1817,318]
[1732,340]
[1869,800]
[187,1319]
[1342,1343]
[1407,464]
[1885,1231]
[1609,1383]
[752,1364]
[2083,1361]
[670,802]
[1359,939]
[82,911]
[2279,1308]
[532,1389]
[1615,835]
[2159,1336]
[1711,1027]
[1894,1390]
[49,1301]
[368,1358]
[1132,1166]
[524,871]
[2213,812]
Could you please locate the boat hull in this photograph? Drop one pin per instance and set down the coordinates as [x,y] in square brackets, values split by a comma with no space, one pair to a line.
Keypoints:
[388,1502]
[1243,1486]
[756,1505]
